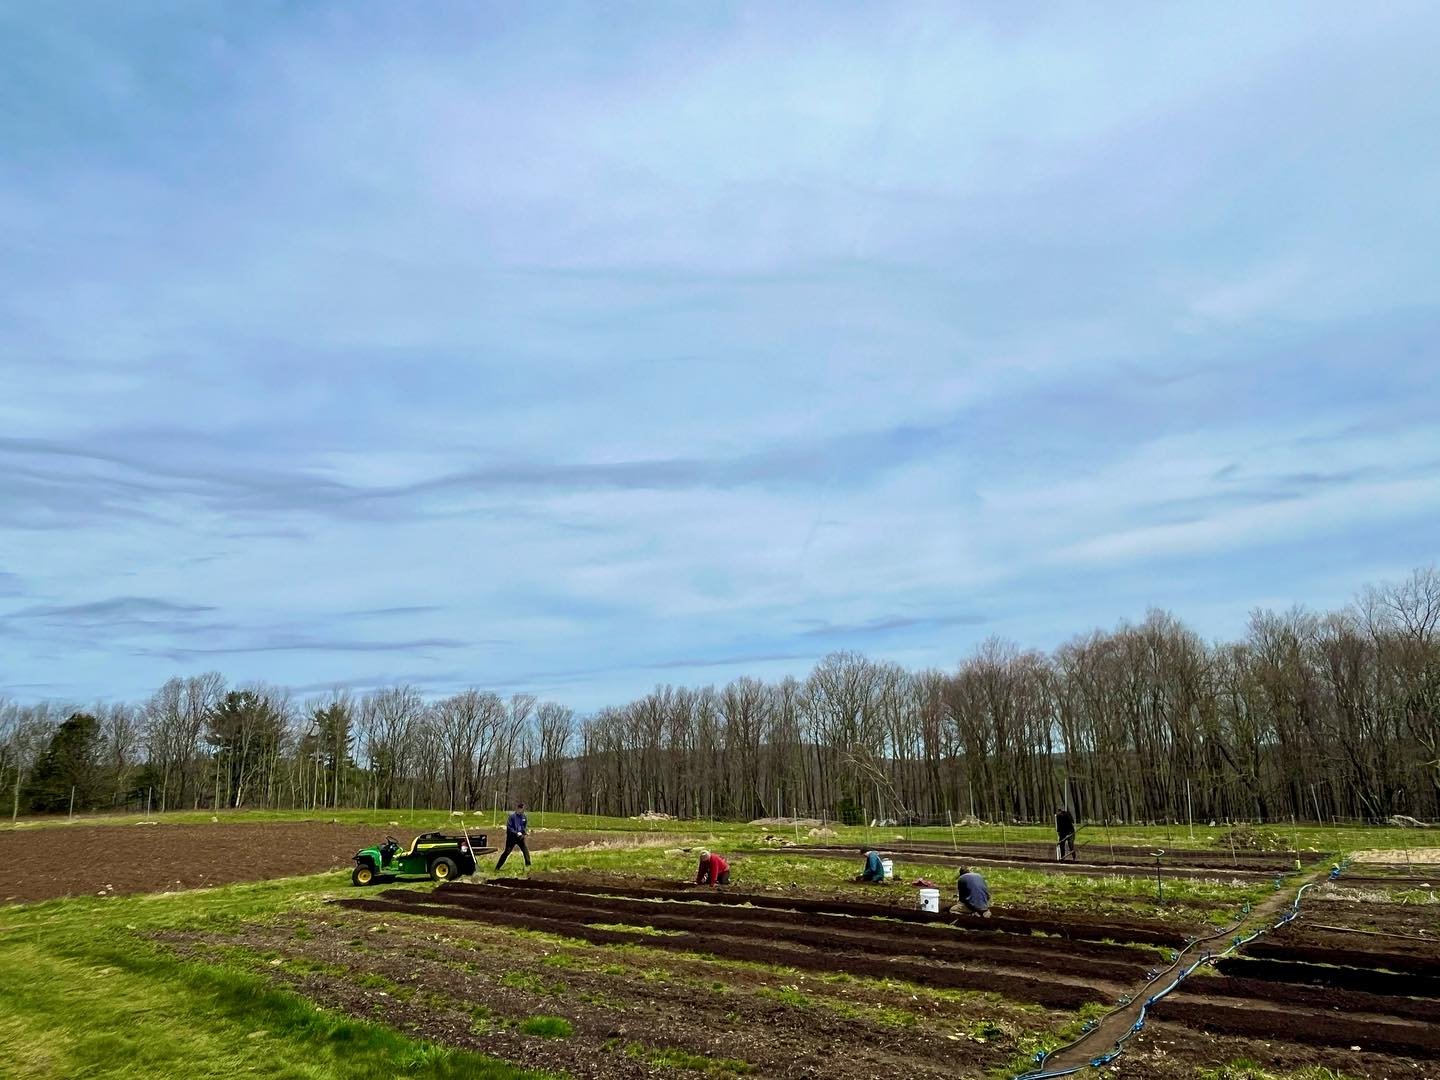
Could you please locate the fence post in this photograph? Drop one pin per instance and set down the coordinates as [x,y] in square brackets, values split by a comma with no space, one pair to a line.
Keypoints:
[954,846]
[72,802]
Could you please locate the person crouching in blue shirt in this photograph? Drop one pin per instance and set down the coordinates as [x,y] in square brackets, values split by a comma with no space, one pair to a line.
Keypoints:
[974,895]
[874,868]
[515,829]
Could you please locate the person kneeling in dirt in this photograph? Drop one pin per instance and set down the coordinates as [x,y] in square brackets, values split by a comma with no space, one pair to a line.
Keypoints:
[874,868]
[713,870]
[974,895]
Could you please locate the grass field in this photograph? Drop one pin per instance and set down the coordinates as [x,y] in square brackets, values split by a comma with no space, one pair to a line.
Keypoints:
[86,994]
[1302,836]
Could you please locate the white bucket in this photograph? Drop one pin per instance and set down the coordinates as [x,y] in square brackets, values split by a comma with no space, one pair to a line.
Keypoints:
[887,869]
[930,900]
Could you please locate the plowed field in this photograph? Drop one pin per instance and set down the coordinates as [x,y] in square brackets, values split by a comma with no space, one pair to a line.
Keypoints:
[113,860]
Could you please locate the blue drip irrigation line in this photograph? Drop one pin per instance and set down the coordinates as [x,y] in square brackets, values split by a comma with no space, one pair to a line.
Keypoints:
[1207,958]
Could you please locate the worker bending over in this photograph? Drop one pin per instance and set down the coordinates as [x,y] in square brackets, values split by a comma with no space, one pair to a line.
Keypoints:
[713,870]
[974,895]
[874,868]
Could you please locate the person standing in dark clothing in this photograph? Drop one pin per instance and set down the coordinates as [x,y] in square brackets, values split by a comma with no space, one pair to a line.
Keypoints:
[1065,832]
[515,829]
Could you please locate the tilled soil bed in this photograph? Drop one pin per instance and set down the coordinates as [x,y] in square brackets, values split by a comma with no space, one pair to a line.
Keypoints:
[762,943]
[1008,919]
[1098,853]
[1406,920]
[1091,867]
[114,860]
[1372,993]
[635,1012]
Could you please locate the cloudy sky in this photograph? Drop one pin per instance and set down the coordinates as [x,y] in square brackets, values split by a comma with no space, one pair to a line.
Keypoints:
[575,348]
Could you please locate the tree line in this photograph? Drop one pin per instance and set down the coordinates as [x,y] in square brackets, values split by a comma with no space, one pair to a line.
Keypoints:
[1310,716]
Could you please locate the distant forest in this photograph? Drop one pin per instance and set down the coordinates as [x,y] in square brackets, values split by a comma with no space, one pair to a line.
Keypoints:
[1311,715]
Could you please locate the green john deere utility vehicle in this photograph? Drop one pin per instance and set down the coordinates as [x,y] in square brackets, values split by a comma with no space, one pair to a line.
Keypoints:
[438,856]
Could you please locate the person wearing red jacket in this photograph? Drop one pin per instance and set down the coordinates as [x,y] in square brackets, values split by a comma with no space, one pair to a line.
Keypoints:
[713,870]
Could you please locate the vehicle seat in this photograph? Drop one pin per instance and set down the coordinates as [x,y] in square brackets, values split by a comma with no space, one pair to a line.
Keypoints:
[416,842]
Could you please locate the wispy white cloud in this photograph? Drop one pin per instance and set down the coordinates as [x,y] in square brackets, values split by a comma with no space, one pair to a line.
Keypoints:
[548,348]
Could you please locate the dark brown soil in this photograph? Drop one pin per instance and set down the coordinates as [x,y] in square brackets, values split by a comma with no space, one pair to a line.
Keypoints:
[1098,853]
[1299,941]
[472,985]
[1363,979]
[1113,962]
[114,860]
[1319,997]
[897,936]
[1288,998]
[1419,920]
[1168,868]
[1009,920]
[769,980]
[1165,1050]
[1267,1020]
[1067,983]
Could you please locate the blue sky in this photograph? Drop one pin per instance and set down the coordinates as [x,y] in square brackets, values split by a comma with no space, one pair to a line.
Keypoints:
[574,348]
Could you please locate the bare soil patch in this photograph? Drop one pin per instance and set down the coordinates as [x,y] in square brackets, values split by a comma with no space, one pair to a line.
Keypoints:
[115,860]
[1398,856]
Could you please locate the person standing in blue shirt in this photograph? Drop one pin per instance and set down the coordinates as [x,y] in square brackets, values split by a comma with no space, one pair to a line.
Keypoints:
[515,829]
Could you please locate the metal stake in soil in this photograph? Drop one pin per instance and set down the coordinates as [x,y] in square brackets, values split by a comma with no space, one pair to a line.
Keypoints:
[1189,809]
[1159,887]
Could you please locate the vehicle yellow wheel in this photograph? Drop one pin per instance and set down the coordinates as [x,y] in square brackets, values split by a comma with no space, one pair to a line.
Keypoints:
[443,869]
[362,875]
